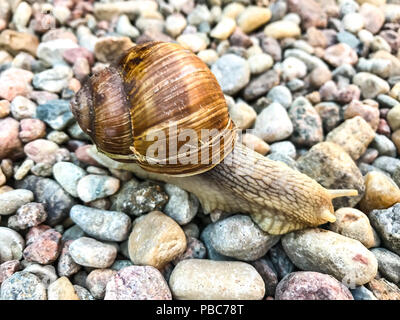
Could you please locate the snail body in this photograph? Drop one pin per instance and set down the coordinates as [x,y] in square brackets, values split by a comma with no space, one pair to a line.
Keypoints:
[158,85]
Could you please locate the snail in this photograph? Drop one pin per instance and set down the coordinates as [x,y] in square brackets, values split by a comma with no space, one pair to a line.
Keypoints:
[157,86]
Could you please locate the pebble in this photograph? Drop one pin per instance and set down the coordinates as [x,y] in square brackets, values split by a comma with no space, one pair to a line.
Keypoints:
[393,118]
[252,18]
[369,113]
[232,73]
[137,283]
[31,129]
[73,233]
[10,145]
[255,143]
[23,286]
[354,224]
[15,42]
[353,22]
[50,193]
[109,47]
[333,168]
[308,285]
[67,175]
[286,148]
[260,63]
[175,24]
[384,290]
[373,18]
[329,113]
[101,224]
[89,252]
[310,12]
[282,29]
[28,215]
[387,223]
[8,268]
[261,85]
[42,150]
[327,252]
[223,29]
[55,113]
[208,56]
[155,240]
[136,198]
[307,124]
[22,108]
[273,123]
[92,187]
[354,135]
[53,80]
[387,164]
[4,108]
[181,206]
[370,84]
[242,115]
[340,54]
[195,279]
[97,280]
[51,52]
[319,76]
[45,248]
[15,82]
[62,289]
[293,68]
[267,273]
[195,42]
[11,245]
[195,249]
[388,264]
[66,266]
[280,94]
[120,264]
[238,237]
[11,201]
[362,293]
[125,28]
[384,145]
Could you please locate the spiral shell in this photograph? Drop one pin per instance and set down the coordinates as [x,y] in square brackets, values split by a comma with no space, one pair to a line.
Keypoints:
[160,106]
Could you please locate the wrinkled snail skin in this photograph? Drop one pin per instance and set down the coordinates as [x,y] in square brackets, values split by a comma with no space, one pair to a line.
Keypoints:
[158,85]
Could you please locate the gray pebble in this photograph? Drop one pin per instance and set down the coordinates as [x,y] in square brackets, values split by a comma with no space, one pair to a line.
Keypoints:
[212,254]
[47,274]
[387,164]
[23,286]
[12,200]
[311,61]
[384,145]
[92,187]
[53,80]
[67,175]
[388,264]
[56,113]
[362,293]
[280,94]
[73,233]
[83,293]
[289,161]
[284,147]
[120,264]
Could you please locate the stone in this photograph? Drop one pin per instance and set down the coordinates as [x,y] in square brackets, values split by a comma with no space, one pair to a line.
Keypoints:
[252,18]
[195,279]
[384,146]
[155,240]
[195,249]
[282,29]
[333,168]
[354,224]
[327,252]
[311,286]
[280,261]
[354,135]
[193,41]
[223,29]
[394,62]
[384,290]
[137,283]
[387,164]
[362,293]
[381,192]
[22,108]
[261,85]
[369,113]
[28,215]
[239,237]
[319,76]
[7,269]
[329,113]
[280,94]
[23,286]
[31,129]
[120,264]
[62,289]
[73,233]
[242,115]
[310,12]
[388,264]
[67,175]
[97,280]
[260,63]
[101,224]
[56,113]
[125,28]
[267,273]
[393,118]
[181,206]
[340,54]
[11,245]
[293,68]
[387,224]
[108,48]
[255,143]
[232,73]
[89,252]
[175,24]
[42,150]
[14,42]
[4,108]
[45,249]
[10,144]
[11,201]
[285,148]
[273,123]
[51,194]
[15,82]
[307,124]
[92,187]
[51,52]
[136,198]
[370,84]
[66,266]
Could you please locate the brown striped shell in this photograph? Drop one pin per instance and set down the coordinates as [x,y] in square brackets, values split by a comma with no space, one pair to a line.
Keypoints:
[156,107]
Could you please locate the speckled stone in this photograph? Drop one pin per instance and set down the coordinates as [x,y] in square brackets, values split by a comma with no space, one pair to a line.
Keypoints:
[268,274]
[67,175]
[92,187]
[28,215]
[66,266]
[7,269]
[45,248]
[388,264]
[97,280]
[137,283]
[23,286]
[56,113]
[384,290]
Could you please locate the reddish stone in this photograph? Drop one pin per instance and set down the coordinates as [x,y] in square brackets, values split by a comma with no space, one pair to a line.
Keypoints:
[240,39]
[41,97]
[383,112]
[55,34]
[369,156]
[45,248]
[8,268]
[97,281]
[29,215]
[82,155]
[31,129]
[10,145]
[348,94]
[15,82]
[383,128]
[81,68]
[316,38]
[267,274]
[42,150]
[310,12]
[367,112]
[309,285]
[339,54]
[71,55]
[35,232]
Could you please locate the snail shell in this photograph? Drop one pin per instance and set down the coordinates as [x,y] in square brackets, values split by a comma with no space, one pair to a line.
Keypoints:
[156,106]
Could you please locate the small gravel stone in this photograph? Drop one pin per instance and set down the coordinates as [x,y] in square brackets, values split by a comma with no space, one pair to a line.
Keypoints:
[362,293]
[393,118]
[31,129]
[388,264]
[10,145]
[42,150]
[282,29]
[92,187]
[51,52]
[155,240]
[120,264]
[328,252]
[175,24]
[97,281]
[45,248]
[369,113]
[370,84]
[101,224]
[273,123]
[261,85]
[268,274]
[195,42]
[22,108]
[92,253]
[339,54]
[23,286]
[242,115]
[238,237]
[285,148]
[53,80]
[82,293]
[109,47]
[195,249]
[28,215]
[280,94]
[293,68]
[311,286]
[232,73]
[253,17]
[67,175]
[66,266]
[15,82]
[384,290]
[260,63]
[280,261]
[7,269]
[215,280]
[62,289]
[11,201]
[387,164]
[255,143]
[56,113]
